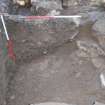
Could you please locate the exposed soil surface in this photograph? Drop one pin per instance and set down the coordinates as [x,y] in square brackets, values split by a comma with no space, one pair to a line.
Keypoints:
[48,71]
[56,61]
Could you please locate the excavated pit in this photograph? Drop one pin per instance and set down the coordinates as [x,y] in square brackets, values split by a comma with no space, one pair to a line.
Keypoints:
[50,67]
[56,61]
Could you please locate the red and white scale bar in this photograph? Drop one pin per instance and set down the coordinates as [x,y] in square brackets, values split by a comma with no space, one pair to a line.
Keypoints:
[49,17]
[41,17]
[9,42]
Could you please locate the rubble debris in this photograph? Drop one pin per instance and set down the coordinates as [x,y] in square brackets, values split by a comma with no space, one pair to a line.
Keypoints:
[46,4]
[22,2]
[53,13]
[12,97]
[64,3]
[4,6]
[98,2]
[93,52]
[91,48]
[99,26]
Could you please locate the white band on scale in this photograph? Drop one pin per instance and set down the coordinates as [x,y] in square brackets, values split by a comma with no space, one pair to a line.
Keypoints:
[5,29]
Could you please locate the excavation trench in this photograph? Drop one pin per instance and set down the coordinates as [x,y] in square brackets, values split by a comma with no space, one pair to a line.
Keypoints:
[56,61]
